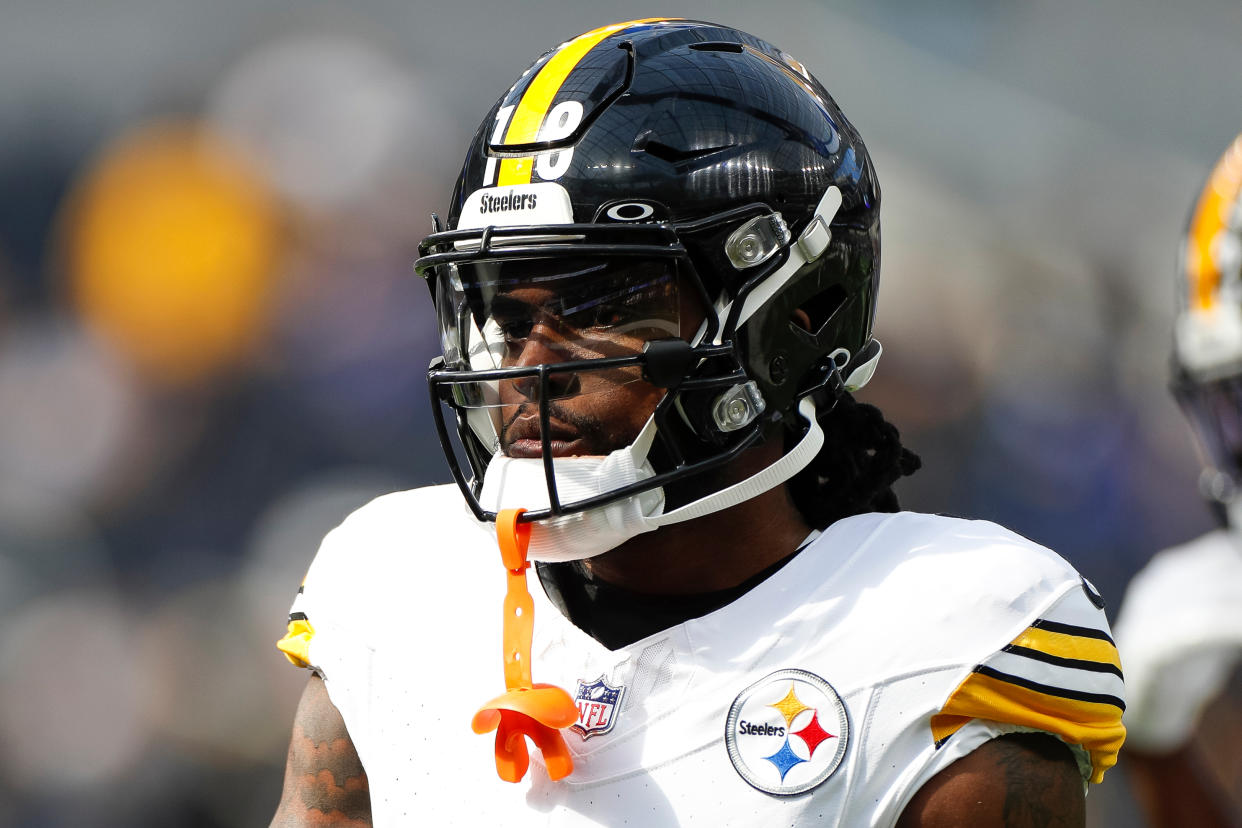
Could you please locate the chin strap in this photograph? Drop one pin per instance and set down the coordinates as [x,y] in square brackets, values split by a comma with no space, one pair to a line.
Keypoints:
[525,710]
[774,475]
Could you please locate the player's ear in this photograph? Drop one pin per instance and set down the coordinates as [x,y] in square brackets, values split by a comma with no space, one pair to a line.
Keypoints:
[801,318]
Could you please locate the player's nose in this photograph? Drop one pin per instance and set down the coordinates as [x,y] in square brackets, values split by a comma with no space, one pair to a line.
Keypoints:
[546,346]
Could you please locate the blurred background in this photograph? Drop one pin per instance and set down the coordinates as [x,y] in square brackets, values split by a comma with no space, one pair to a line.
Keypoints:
[212,344]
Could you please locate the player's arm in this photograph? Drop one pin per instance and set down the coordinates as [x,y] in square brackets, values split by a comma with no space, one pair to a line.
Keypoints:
[1174,790]
[1022,780]
[325,784]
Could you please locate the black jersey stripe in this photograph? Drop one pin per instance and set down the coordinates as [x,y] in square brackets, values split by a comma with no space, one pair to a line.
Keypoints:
[298,616]
[1071,629]
[1062,692]
[1062,661]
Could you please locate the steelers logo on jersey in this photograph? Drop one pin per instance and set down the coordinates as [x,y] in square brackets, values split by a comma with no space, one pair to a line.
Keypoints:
[787,732]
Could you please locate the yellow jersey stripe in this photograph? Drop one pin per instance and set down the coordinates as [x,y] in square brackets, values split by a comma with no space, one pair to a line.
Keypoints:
[296,643]
[537,99]
[1208,220]
[1093,724]
[1059,661]
[1064,645]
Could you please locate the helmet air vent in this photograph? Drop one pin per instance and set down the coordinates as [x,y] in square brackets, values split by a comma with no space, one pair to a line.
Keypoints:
[821,308]
[673,155]
[718,46]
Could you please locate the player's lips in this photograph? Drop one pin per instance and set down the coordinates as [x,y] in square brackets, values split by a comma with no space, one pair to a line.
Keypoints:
[522,439]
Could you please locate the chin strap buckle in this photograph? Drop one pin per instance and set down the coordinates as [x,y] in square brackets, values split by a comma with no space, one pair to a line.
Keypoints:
[738,407]
[526,710]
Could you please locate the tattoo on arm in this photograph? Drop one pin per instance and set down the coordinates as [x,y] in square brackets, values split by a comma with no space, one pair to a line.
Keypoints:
[325,784]
[1041,780]
[1021,780]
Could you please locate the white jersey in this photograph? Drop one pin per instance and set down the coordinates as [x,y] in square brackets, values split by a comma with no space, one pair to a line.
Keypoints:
[1180,633]
[889,647]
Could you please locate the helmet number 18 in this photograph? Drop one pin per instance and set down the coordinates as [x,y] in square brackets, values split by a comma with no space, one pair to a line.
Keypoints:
[561,121]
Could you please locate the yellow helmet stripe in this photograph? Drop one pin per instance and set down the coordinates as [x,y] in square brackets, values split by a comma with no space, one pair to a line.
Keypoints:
[1208,220]
[531,110]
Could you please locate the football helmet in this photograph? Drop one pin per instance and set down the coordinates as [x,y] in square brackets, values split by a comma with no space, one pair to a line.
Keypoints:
[1207,342]
[666,205]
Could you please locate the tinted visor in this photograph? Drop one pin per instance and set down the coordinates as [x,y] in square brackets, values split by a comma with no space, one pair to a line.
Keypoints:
[520,314]
[1215,413]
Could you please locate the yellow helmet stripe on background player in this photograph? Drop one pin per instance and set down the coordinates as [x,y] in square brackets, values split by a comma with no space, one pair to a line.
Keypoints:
[533,108]
[1210,217]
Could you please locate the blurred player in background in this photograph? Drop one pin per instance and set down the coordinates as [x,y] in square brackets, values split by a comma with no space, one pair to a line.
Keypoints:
[1180,625]
[655,294]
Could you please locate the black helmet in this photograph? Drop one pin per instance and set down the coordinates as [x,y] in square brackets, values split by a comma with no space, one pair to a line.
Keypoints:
[625,165]
[1207,343]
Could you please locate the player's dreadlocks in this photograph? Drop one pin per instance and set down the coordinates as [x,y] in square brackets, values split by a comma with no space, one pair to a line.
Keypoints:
[854,472]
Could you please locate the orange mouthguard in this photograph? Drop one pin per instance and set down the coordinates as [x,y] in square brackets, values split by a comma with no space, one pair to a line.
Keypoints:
[526,710]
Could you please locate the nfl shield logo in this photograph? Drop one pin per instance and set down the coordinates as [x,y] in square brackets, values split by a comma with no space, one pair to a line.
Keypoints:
[598,705]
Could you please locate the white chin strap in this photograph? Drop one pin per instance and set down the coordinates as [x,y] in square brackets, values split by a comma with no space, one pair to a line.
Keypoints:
[520,483]
[771,477]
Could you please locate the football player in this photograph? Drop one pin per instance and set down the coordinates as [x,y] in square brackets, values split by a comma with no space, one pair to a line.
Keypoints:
[1180,623]
[655,289]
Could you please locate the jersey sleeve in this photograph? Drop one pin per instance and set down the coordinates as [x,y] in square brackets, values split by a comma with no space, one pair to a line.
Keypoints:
[329,610]
[1180,635]
[361,575]
[296,642]
[1061,675]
